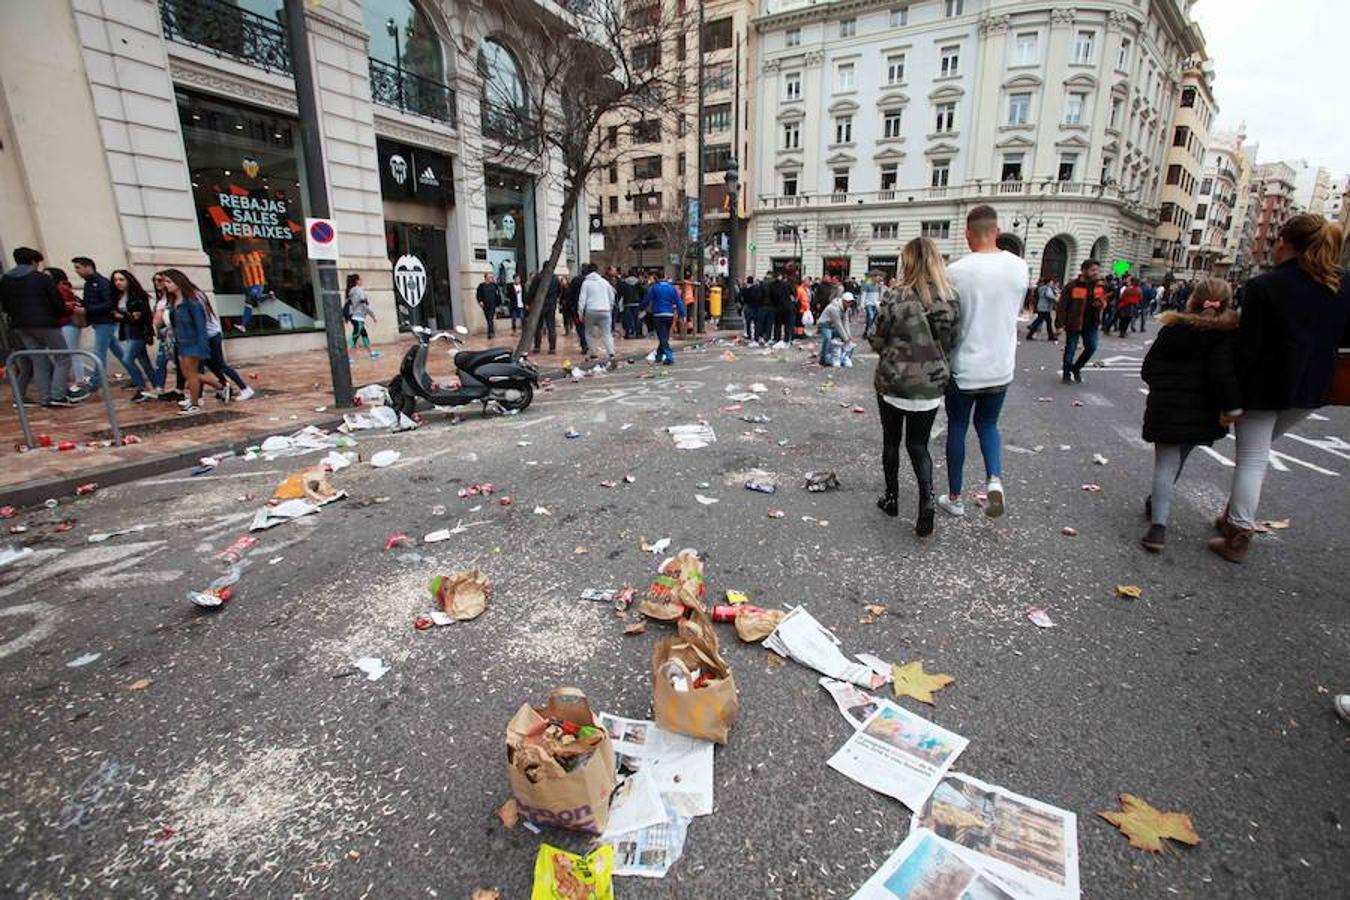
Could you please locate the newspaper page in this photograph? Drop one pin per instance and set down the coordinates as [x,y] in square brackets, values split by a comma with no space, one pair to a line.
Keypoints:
[898,754]
[1031,845]
[651,851]
[924,867]
[636,804]
[800,637]
[681,766]
[855,704]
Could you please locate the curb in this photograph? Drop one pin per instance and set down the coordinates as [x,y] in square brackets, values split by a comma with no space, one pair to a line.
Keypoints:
[35,492]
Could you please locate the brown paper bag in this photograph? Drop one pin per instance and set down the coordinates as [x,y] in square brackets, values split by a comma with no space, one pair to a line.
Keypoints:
[706,712]
[678,585]
[545,792]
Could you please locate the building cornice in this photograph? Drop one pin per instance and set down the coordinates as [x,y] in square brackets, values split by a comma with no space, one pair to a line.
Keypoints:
[816,13]
[235,83]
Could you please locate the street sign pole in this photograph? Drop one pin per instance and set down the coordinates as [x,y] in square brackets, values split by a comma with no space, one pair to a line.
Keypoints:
[325,270]
[699,299]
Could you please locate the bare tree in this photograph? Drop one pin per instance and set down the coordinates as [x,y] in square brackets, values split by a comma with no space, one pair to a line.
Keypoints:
[617,63]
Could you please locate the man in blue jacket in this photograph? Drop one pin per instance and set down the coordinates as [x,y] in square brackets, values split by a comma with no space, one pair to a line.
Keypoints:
[100,308]
[663,302]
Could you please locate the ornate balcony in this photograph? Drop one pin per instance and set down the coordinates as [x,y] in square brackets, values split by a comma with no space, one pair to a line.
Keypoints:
[402,90]
[1041,188]
[226,30]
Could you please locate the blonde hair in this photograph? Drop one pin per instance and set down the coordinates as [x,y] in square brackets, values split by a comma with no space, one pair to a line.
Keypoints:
[924,272]
[1210,289]
[1317,244]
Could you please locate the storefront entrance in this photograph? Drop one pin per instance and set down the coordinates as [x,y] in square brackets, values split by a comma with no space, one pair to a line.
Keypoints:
[838,266]
[427,243]
[510,221]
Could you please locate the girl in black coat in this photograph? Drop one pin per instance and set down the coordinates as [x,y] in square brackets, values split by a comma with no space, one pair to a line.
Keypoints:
[1192,382]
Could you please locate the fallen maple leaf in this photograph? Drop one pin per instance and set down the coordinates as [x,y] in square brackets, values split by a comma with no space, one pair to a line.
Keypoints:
[140,684]
[1129,590]
[1146,827]
[910,680]
[509,813]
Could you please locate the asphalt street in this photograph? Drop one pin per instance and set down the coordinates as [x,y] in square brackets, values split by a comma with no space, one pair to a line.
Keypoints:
[255,761]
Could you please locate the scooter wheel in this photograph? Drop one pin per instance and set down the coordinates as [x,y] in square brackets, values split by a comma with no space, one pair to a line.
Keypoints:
[526,398]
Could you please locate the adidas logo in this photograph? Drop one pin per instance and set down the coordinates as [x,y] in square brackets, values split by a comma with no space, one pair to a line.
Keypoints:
[428,178]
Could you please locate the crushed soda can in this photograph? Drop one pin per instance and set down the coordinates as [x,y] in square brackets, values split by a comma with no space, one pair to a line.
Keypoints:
[821,481]
[760,487]
[235,551]
[44,440]
[8,512]
[598,596]
[397,539]
[66,445]
[128,439]
[729,613]
[87,488]
[64,526]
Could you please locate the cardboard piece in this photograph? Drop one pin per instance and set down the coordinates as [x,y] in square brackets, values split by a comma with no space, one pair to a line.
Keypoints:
[678,665]
[546,793]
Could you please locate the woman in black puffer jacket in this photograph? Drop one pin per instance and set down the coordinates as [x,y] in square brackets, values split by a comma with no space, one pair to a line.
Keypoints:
[1192,382]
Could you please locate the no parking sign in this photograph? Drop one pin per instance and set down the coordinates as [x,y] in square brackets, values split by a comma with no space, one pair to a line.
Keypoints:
[321,239]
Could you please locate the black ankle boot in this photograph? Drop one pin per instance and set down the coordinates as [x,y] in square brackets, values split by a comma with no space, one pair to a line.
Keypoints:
[923,526]
[889,504]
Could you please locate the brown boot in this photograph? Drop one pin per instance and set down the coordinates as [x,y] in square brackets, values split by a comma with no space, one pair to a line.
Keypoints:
[1233,545]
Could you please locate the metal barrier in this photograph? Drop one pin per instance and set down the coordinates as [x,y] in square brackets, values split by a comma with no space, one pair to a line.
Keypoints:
[99,369]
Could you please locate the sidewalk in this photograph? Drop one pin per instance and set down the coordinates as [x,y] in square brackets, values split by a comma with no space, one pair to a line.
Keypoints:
[291,391]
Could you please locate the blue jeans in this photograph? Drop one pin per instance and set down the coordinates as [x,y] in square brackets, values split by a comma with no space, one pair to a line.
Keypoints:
[137,362]
[871,312]
[71,333]
[217,364]
[1089,336]
[663,351]
[986,408]
[826,335]
[632,325]
[105,339]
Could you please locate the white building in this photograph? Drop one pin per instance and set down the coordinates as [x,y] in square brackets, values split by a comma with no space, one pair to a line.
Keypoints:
[1337,209]
[1221,207]
[181,118]
[1312,187]
[881,121]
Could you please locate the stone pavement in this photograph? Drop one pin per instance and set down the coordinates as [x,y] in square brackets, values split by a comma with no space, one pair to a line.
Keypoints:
[292,391]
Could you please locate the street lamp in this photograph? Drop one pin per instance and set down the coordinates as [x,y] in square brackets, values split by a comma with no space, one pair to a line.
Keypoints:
[643,194]
[391,27]
[731,307]
[1023,221]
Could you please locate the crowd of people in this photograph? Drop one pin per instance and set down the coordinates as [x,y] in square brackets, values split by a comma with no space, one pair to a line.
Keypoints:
[178,320]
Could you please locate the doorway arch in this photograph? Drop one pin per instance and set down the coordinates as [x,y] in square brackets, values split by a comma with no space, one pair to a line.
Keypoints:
[1100,248]
[1055,258]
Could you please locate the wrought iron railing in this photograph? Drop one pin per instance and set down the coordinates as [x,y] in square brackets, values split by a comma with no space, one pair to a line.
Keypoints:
[411,93]
[226,30]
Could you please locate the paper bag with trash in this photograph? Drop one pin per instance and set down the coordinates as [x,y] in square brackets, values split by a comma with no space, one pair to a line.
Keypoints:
[693,691]
[678,585]
[560,763]
[559,875]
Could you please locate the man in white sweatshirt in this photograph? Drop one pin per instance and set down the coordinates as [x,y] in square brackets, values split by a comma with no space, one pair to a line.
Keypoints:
[991,284]
[596,305]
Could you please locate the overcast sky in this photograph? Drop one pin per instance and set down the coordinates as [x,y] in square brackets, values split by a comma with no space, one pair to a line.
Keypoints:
[1284,67]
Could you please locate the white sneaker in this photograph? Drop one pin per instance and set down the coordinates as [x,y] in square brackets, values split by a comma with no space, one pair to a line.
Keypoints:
[245,393]
[189,410]
[951,507]
[995,492]
[184,403]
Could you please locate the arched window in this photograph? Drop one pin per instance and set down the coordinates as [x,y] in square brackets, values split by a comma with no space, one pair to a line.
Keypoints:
[402,36]
[505,104]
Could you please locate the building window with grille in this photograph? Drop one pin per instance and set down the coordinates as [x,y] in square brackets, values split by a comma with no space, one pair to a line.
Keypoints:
[900,17]
[1026,52]
[843,78]
[789,184]
[895,69]
[784,234]
[792,37]
[885,231]
[717,118]
[614,203]
[1123,57]
[841,181]
[792,135]
[839,233]
[1106,169]
[936,230]
[1019,108]
[1012,167]
[890,123]
[843,129]
[946,117]
[942,169]
[792,86]
[1207,187]
[951,61]
[1074,108]
[1068,166]
[1188,97]
[647,167]
[1174,174]
[848,28]
[717,35]
[716,157]
[955,8]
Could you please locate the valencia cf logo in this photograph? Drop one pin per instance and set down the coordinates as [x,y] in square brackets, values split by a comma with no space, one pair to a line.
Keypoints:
[250,166]
[410,279]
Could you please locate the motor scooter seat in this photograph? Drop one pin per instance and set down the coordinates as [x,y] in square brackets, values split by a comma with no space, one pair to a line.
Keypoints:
[467,359]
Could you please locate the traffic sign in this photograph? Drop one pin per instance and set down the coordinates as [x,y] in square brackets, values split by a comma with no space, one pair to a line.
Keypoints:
[321,239]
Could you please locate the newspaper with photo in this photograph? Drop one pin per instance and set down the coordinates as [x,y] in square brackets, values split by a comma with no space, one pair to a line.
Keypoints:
[925,866]
[1027,844]
[855,704]
[650,852]
[800,637]
[899,754]
[681,767]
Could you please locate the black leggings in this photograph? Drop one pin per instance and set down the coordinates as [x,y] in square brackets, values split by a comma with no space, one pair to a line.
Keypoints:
[915,428]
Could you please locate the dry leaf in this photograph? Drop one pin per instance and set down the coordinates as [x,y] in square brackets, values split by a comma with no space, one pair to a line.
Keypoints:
[910,680]
[486,894]
[1129,590]
[774,661]
[874,609]
[509,814]
[1146,827]
[463,596]
[140,684]
[635,628]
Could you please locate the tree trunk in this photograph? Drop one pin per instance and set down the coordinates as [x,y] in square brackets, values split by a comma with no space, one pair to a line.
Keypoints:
[531,325]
